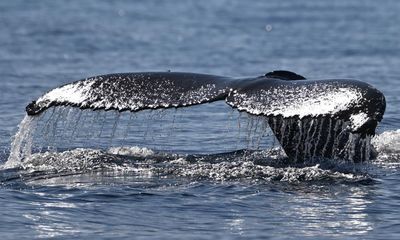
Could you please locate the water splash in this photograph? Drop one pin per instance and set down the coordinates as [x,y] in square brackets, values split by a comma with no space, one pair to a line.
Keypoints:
[176,130]
[387,144]
[21,146]
[388,141]
[266,166]
[171,130]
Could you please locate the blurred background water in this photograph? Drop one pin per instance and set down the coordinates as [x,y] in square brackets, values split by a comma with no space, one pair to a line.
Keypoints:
[44,44]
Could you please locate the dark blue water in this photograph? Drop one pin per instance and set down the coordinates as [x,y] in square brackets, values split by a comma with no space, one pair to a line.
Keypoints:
[154,193]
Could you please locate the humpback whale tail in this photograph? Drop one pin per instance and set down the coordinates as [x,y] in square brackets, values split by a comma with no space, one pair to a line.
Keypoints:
[332,118]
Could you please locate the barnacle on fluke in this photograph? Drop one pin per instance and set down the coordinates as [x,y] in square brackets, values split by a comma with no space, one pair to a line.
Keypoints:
[332,118]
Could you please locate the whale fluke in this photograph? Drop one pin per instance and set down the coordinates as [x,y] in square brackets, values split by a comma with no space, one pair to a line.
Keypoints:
[135,92]
[310,118]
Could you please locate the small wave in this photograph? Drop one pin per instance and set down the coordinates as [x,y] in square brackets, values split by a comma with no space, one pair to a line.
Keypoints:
[249,170]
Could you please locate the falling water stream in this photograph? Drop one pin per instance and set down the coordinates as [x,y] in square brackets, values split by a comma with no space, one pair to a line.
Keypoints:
[21,145]
[172,130]
[68,140]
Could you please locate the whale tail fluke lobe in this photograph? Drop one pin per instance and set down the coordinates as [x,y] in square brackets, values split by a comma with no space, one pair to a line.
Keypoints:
[135,92]
[310,118]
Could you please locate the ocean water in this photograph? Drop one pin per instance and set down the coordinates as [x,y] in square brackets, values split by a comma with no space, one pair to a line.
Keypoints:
[147,175]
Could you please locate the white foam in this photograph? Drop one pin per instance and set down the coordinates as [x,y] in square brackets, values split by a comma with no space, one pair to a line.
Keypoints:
[72,161]
[131,151]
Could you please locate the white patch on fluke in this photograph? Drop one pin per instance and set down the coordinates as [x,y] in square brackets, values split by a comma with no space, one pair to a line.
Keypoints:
[357,120]
[300,101]
[77,93]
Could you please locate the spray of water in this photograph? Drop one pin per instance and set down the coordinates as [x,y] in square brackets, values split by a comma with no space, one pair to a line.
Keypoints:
[21,146]
[164,130]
